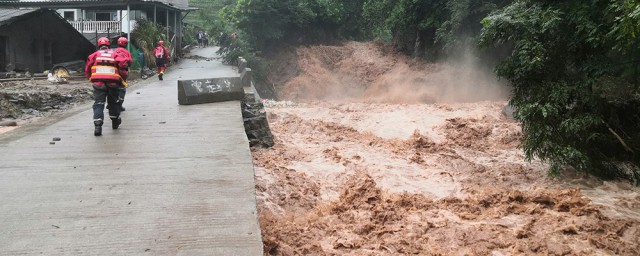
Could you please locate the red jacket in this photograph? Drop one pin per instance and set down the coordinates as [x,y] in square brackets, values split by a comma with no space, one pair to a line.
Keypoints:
[126,55]
[165,55]
[119,63]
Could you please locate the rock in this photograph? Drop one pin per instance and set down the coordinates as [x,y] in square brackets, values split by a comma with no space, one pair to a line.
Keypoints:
[508,111]
[256,125]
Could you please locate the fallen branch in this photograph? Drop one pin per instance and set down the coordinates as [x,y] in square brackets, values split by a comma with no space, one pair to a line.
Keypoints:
[627,148]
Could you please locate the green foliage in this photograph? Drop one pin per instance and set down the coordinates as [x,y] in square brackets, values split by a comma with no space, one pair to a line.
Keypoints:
[146,35]
[232,50]
[428,28]
[375,14]
[627,25]
[572,69]
[189,31]
[412,24]
[264,25]
[269,23]
[207,19]
[462,27]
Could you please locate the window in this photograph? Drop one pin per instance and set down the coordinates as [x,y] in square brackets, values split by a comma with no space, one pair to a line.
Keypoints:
[70,16]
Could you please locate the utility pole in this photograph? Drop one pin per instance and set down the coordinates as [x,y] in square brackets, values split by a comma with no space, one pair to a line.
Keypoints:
[129,26]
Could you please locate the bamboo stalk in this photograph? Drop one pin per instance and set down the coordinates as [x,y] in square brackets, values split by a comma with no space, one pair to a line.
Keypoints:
[627,148]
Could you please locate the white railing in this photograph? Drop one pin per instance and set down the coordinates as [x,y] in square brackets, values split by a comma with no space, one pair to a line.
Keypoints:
[96,26]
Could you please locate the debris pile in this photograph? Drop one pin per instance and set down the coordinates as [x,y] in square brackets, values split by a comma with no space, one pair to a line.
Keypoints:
[23,100]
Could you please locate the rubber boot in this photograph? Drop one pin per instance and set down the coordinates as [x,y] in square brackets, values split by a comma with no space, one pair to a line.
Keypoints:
[115,123]
[98,128]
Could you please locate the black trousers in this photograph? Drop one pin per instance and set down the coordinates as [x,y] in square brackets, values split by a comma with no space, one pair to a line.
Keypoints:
[102,95]
[121,94]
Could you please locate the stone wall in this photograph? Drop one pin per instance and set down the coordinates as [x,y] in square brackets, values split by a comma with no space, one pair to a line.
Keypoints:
[256,124]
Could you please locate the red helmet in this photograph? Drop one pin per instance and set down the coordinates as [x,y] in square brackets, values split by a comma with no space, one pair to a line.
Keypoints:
[160,43]
[103,41]
[123,41]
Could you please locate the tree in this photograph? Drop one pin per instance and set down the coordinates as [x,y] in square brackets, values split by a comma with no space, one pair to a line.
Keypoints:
[410,24]
[462,27]
[146,35]
[574,86]
[435,27]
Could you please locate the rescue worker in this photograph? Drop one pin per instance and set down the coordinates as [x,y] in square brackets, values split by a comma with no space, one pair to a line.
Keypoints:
[105,69]
[162,58]
[124,53]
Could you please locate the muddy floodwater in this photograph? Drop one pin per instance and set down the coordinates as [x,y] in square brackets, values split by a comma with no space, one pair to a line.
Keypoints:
[358,173]
[448,179]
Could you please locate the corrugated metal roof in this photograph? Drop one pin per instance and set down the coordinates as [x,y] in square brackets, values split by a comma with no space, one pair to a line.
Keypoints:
[181,4]
[9,15]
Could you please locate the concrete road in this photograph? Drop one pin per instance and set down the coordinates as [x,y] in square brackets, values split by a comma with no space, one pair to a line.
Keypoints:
[173,180]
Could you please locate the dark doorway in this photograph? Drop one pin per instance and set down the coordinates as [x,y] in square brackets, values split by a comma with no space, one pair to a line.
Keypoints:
[103,16]
[3,52]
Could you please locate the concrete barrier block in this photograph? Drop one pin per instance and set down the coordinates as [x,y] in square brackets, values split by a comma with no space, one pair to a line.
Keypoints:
[210,90]
[242,64]
[246,77]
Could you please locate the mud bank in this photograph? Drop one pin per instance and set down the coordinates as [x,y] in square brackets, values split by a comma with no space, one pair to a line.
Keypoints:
[26,101]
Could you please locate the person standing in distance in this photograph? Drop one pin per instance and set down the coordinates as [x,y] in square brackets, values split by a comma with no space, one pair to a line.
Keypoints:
[199,37]
[162,58]
[104,69]
[125,54]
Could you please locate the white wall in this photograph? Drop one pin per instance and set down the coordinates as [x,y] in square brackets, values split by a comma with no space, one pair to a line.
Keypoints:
[134,16]
[120,15]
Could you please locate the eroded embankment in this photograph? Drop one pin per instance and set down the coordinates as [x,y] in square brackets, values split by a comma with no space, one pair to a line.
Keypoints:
[25,99]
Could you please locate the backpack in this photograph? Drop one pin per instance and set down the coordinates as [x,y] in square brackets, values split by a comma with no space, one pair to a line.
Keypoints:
[159,52]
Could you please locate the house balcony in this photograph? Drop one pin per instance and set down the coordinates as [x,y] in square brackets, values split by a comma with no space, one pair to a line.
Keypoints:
[97,26]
